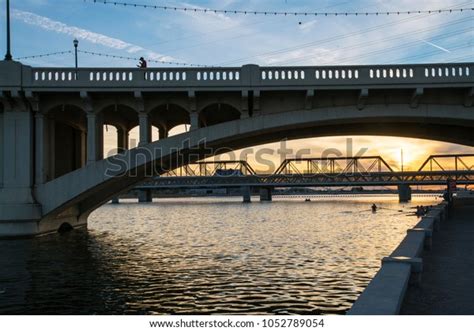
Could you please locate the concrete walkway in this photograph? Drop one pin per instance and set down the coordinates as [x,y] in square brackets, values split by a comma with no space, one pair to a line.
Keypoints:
[447,286]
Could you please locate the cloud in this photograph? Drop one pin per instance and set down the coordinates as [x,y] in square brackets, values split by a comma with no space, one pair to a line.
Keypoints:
[48,24]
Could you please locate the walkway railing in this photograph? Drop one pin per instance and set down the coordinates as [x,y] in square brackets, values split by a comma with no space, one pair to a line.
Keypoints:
[245,76]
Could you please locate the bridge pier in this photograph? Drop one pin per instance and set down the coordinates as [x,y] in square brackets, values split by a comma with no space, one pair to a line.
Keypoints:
[246,195]
[23,164]
[145,196]
[145,128]
[122,140]
[19,211]
[265,194]
[404,193]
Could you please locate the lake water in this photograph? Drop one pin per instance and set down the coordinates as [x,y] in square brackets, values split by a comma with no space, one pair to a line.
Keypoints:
[206,255]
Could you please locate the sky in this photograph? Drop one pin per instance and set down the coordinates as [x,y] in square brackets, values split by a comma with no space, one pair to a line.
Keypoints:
[45,26]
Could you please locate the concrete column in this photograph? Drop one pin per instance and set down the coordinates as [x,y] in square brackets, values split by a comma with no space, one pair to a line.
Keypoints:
[19,212]
[145,129]
[265,194]
[122,140]
[404,193]
[246,195]
[2,130]
[92,138]
[194,117]
[52,150]
[95,137]
[163,133]
[18,166]
[100,136]
[41,157]
[78,149]
[145,196]
[83,148]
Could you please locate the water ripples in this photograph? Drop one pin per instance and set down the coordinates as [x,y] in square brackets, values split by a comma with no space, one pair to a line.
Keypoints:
[204,256]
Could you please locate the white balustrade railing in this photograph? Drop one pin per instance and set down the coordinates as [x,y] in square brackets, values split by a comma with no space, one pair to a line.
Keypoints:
[250,76]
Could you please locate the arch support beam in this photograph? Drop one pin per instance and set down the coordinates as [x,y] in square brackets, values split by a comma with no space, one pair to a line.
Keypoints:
[145,128]
[122,140]
[469,98]
[194,118]
[363,97]
[95,137]
[416,97]
[162,132]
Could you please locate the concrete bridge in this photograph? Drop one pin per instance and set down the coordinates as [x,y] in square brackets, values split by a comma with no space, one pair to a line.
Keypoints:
[53,170]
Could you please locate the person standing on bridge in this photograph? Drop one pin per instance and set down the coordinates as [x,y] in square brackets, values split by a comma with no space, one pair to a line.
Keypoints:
[142,63]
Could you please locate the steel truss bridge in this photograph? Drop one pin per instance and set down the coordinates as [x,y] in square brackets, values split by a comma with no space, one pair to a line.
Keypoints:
[319,172]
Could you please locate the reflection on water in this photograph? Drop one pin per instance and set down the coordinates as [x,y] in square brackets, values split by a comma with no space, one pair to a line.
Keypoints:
[205,256]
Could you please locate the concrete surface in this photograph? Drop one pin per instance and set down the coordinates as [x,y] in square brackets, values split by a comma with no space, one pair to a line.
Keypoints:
[448,270]
[384,294]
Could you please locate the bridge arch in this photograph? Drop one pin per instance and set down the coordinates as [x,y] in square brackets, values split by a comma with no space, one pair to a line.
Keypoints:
[178,129]
[67,130]
[216,113]
[107,178]
[167,116]
[69,114]
[121,116]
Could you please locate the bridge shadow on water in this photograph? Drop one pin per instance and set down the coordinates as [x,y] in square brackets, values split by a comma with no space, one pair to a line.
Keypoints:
[60,274]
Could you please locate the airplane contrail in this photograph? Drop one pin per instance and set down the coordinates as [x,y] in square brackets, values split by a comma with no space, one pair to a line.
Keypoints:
[46,23]
[436,46]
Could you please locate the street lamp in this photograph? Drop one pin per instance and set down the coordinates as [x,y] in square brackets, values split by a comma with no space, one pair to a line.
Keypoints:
[76,43]
[8,55]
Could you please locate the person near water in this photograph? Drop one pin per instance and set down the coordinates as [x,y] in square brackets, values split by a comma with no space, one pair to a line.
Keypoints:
[142,63]
[374,208]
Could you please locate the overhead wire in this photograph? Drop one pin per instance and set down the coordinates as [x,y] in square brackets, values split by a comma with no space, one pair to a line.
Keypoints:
[397,47]
[380,40]
[330,39]
[327,40]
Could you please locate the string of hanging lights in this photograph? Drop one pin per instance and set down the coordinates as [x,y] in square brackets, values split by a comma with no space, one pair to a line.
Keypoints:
[43,55]
[279,13]
[136,59]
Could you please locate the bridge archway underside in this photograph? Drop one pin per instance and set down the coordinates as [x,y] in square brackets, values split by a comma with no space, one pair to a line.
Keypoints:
[163,155]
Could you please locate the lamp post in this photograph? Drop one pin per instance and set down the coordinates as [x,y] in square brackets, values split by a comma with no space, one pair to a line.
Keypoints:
[8,55]
[76,43]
